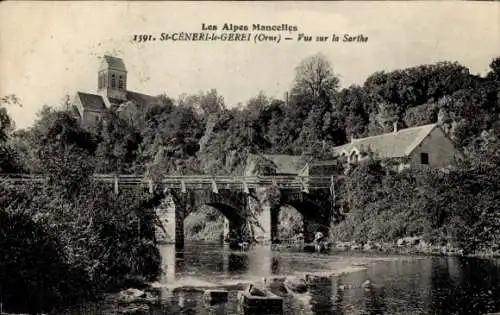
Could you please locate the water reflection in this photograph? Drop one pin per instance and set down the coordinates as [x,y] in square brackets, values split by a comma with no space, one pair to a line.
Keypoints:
[172,263]
[401,285]
[471,288]
[321,293]
[275,265]
[237,264]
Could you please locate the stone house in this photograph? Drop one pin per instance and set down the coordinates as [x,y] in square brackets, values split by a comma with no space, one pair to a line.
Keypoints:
[426,145]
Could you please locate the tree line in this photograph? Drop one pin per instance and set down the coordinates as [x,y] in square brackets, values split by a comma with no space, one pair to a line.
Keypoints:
[198,133]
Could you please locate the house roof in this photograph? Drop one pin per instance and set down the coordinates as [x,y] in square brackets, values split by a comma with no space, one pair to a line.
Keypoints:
[113,63]
[286,164]
[390,145]
[91,101]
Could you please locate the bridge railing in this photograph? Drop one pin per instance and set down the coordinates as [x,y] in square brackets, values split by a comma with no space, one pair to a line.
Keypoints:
[195,181]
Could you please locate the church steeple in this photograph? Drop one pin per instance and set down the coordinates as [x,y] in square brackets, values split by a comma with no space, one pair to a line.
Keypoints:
[112,79]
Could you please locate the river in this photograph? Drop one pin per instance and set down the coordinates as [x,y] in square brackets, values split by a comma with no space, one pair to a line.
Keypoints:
[402,284]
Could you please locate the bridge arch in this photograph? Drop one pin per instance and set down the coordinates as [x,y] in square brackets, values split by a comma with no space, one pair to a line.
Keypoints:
[315,209]
[230,203]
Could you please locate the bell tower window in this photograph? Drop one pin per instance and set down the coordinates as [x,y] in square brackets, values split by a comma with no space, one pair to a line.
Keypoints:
[120,82]
[113,81]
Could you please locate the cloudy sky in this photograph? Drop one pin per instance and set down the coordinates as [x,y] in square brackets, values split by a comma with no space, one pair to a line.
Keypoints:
[49,50]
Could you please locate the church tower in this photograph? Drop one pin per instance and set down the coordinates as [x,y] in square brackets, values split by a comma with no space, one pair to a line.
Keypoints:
[112,80]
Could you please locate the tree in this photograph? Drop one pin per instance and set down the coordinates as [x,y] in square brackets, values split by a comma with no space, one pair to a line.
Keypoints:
[309,112]
[205,103]
[272,120]
[171,142]
[417,85]
[63,149]
[257,104]
[421,115]
[8,158]
[314,77]
[118,144]
[494,73]
[352,107]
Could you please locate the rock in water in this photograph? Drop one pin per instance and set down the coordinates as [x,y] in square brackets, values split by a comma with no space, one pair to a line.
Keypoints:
[256,305]
[131,295]
[296,285]
[134,310]
[317,279]
[276,285]
[253,290]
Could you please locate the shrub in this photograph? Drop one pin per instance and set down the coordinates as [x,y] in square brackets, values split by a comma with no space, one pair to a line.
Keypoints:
[459,206]
[57,251]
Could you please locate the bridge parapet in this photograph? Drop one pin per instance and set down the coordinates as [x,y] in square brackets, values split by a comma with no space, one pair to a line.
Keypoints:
[194,181]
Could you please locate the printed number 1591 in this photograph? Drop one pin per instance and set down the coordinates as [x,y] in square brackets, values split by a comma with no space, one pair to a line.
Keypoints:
[143,37]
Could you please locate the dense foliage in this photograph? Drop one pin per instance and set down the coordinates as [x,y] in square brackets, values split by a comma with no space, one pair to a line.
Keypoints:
[70,238]
[94,238]
[458,207]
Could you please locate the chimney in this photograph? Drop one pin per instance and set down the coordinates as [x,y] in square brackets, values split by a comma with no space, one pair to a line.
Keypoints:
[395,126]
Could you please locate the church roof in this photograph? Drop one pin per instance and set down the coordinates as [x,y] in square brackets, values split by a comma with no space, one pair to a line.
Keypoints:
[136,98]
[140,98]
[91,101]
[113,63]
[390,145]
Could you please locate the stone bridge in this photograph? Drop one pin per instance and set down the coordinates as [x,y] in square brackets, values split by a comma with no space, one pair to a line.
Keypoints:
[250,204]
[249,216]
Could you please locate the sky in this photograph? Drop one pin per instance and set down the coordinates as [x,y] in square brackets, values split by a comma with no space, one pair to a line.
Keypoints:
[52,49]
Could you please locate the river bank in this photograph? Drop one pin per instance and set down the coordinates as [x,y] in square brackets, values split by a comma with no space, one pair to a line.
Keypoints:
[403,246]
[412,246]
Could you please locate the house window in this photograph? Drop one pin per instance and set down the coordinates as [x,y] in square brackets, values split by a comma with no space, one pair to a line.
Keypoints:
[120,82]
[113,81]
[424,158]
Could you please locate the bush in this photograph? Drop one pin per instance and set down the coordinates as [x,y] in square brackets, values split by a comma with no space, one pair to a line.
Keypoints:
[33,273]
[459,206]
[57,251]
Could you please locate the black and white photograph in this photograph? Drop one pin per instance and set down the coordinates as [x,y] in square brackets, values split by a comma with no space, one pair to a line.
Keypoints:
[237,157]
